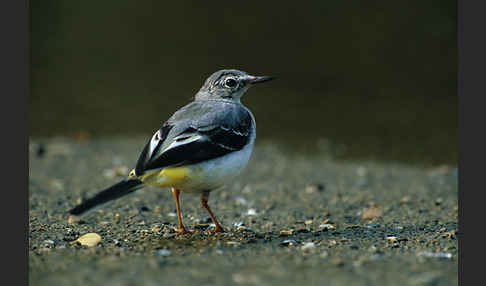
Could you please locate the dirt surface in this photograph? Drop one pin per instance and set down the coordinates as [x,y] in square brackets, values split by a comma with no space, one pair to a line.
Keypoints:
[291,220]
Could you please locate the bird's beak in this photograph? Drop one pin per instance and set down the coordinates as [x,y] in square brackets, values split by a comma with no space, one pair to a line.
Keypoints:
[259,79]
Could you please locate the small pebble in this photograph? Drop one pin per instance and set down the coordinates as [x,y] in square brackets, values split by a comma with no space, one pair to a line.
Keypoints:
[308,245]
[391,238]
[251,212]
[89,239]
[155,229]
[332,242]
[313,188]
[163,252]
[371,212]
[288,242]
[241,201]
[405,200]
[372,225]
[286,232]
[327,226]
[324,254]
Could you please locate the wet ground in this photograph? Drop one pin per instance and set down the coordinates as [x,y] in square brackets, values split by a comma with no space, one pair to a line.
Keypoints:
[291,219]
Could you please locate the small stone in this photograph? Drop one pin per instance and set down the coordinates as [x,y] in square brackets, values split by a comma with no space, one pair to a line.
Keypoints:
[242,227]
[251,212]
[450,234]
[89,239]
[241,201]
[371,212]
[327,226]
[308,222]
[405,200]
[313,188]
[372,225]
[155,229]
[391,238]
[286,232]
[163,252]
[308,245]
[288,242]
[238,223]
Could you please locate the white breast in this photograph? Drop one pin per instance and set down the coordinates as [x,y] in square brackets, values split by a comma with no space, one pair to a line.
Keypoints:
[214,173]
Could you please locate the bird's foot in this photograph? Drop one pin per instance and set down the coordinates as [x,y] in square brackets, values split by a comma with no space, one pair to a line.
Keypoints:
[218,229]
[183,230]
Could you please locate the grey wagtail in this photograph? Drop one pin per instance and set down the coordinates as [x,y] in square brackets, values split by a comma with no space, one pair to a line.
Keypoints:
[203,145]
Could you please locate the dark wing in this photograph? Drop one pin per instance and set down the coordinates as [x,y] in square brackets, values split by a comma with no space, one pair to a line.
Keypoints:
[202,132]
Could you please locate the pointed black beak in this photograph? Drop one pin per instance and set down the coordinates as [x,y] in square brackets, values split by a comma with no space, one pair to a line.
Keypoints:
[259,79]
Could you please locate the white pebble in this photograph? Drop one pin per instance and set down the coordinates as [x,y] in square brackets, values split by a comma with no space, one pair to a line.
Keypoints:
[308,245]
[89,239]
[163,252]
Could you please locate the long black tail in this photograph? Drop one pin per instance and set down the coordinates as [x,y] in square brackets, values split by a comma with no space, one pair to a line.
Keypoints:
[114,192]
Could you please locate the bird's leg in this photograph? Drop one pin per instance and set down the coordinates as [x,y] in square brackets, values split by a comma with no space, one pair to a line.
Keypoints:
[180,227]
[204,202]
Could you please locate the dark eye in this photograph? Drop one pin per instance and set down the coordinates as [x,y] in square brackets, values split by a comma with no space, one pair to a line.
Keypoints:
[230,82]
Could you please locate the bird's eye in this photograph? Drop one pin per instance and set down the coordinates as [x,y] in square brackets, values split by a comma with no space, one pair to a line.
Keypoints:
[230,82]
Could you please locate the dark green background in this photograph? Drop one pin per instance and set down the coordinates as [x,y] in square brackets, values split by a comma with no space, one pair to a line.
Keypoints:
[373,79]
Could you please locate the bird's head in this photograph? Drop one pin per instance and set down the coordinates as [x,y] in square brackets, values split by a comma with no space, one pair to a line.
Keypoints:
[228,85]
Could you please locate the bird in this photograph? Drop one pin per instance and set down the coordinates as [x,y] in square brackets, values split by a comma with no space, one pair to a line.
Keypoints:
[200,148]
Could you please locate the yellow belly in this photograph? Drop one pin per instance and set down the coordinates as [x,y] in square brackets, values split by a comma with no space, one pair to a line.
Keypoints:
[167,177]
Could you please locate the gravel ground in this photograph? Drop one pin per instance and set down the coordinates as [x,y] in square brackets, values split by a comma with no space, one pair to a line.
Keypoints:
[292,219]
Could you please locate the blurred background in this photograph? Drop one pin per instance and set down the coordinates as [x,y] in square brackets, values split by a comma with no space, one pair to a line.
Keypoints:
[360,79]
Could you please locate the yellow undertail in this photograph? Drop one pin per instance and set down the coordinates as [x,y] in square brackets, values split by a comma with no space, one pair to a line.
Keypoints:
[164,178]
